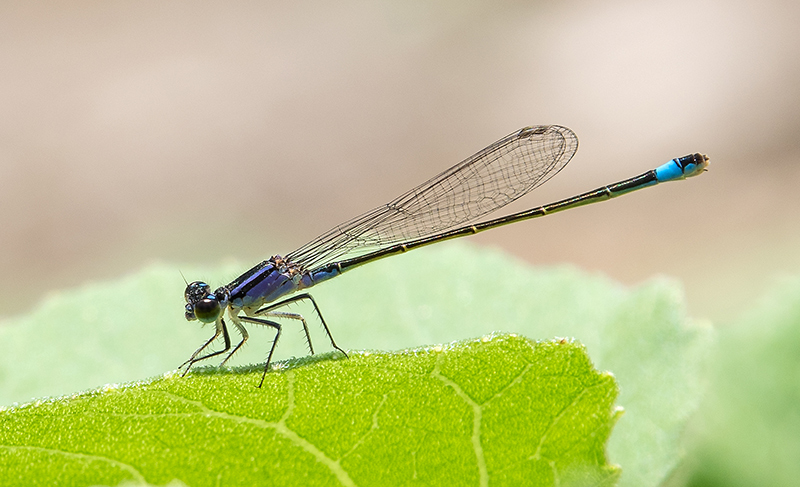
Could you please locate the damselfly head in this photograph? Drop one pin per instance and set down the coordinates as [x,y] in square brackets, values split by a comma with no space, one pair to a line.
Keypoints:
[196,290]
[202,304]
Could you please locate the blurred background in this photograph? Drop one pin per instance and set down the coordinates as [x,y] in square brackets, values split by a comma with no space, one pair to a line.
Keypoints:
[189,132]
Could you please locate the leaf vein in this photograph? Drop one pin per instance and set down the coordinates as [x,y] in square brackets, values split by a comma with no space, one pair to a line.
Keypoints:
[372,429]
[557,418]
[82,456]
[281,428]
[477,415]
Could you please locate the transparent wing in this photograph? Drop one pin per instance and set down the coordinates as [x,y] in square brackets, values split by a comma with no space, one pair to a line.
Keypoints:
[490,179]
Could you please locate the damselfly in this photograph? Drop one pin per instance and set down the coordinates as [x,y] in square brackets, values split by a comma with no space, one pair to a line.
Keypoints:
[439,209]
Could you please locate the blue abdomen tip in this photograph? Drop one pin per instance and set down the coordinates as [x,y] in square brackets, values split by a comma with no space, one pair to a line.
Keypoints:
[682,167]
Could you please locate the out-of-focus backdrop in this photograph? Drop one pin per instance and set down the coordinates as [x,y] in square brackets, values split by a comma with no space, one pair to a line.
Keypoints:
[188,132]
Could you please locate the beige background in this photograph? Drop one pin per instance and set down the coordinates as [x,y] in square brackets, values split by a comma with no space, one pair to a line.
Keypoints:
[188,132]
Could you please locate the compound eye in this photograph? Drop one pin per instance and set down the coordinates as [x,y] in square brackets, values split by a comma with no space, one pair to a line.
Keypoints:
[207,309]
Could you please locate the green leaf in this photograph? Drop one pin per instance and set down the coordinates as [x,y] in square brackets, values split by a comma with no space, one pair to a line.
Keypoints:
[749,426]
[133,328]
[502,408]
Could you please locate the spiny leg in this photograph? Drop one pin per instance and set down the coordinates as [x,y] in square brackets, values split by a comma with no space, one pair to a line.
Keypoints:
[277,326]
[202,347]
[267,309]
[293,316]
[245,336]
[220,329]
